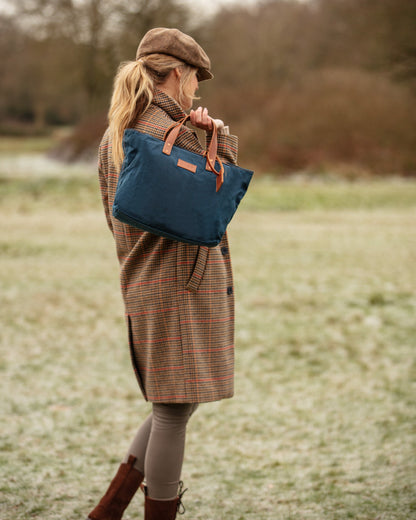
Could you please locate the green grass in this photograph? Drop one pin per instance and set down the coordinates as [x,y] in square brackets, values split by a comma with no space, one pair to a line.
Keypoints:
[322,426]
[25,144]
[74,186]
[319,192]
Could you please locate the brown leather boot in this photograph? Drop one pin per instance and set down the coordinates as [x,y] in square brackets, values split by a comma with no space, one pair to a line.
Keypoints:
[119,494]
[163,509]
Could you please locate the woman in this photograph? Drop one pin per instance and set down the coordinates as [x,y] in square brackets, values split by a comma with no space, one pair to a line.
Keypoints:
[178,297]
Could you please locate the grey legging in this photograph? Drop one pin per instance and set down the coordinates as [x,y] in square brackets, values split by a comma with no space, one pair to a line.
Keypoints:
[159,447]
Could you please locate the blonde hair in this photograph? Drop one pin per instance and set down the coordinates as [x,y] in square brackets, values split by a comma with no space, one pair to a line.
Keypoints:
[133,90]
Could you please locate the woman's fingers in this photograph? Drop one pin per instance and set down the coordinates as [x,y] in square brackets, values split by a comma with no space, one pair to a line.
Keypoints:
[197,116]
[193,117]
[201,119]
[206,119]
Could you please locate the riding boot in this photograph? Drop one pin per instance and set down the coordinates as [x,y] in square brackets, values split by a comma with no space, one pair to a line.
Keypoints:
[163,509]
[119,494]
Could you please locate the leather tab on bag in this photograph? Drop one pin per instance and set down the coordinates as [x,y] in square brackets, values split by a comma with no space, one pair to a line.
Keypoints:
[186,165]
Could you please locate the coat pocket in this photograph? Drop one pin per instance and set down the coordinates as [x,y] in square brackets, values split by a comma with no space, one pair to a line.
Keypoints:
[198,269]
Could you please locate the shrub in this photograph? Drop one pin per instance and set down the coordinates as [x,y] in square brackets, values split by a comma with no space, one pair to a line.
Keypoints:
[83,141]
[332,116]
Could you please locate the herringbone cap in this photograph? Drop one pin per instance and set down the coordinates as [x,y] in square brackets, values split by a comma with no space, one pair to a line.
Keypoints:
[175,43]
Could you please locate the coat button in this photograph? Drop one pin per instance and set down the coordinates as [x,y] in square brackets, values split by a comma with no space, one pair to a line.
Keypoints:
[229,290]
[224,250]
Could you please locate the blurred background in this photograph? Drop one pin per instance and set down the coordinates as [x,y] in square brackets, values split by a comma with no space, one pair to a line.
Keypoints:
[312,85]
[322,96]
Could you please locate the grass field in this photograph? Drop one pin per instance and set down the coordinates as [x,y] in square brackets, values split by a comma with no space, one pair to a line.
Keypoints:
[323,423]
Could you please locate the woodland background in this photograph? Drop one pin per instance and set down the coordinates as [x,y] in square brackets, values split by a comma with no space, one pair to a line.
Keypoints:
[306,86]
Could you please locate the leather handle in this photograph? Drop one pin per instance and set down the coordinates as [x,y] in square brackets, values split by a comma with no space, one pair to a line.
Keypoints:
[171,135]
[220,173]
[213,145]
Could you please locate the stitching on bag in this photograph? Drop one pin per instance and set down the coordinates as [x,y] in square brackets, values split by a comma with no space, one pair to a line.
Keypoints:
[186,165]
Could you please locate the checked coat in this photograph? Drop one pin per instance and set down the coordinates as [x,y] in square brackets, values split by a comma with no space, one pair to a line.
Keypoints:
[178,297]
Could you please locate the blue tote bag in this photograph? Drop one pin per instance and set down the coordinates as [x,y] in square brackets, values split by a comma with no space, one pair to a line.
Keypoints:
[175,193]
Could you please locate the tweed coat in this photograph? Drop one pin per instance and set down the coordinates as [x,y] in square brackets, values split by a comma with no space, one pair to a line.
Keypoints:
[179,301]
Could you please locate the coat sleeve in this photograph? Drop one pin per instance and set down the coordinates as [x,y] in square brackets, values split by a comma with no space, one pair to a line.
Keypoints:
[227,146]
[103,167]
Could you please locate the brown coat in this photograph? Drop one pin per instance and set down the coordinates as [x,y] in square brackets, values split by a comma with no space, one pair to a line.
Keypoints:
[178,297]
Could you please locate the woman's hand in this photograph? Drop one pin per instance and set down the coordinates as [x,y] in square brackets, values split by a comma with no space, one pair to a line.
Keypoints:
[201,119]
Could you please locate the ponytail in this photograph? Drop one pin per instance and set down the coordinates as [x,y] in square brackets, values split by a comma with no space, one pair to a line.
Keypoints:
[132,95]
[133,90]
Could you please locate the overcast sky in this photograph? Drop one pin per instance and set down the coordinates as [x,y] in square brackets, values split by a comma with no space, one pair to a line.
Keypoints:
[201,8]
[207,7]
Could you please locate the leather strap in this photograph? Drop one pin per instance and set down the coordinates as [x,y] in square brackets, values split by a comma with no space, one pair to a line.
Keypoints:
[220,173]
[213,145]
[171,135]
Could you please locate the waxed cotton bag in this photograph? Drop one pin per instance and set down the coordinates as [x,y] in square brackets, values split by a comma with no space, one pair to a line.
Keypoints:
[175,193]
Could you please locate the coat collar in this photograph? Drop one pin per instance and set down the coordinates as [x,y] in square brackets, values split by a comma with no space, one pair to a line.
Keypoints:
[168,104]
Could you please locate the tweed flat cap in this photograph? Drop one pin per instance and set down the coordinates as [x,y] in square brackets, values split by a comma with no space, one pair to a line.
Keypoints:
[175,43]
